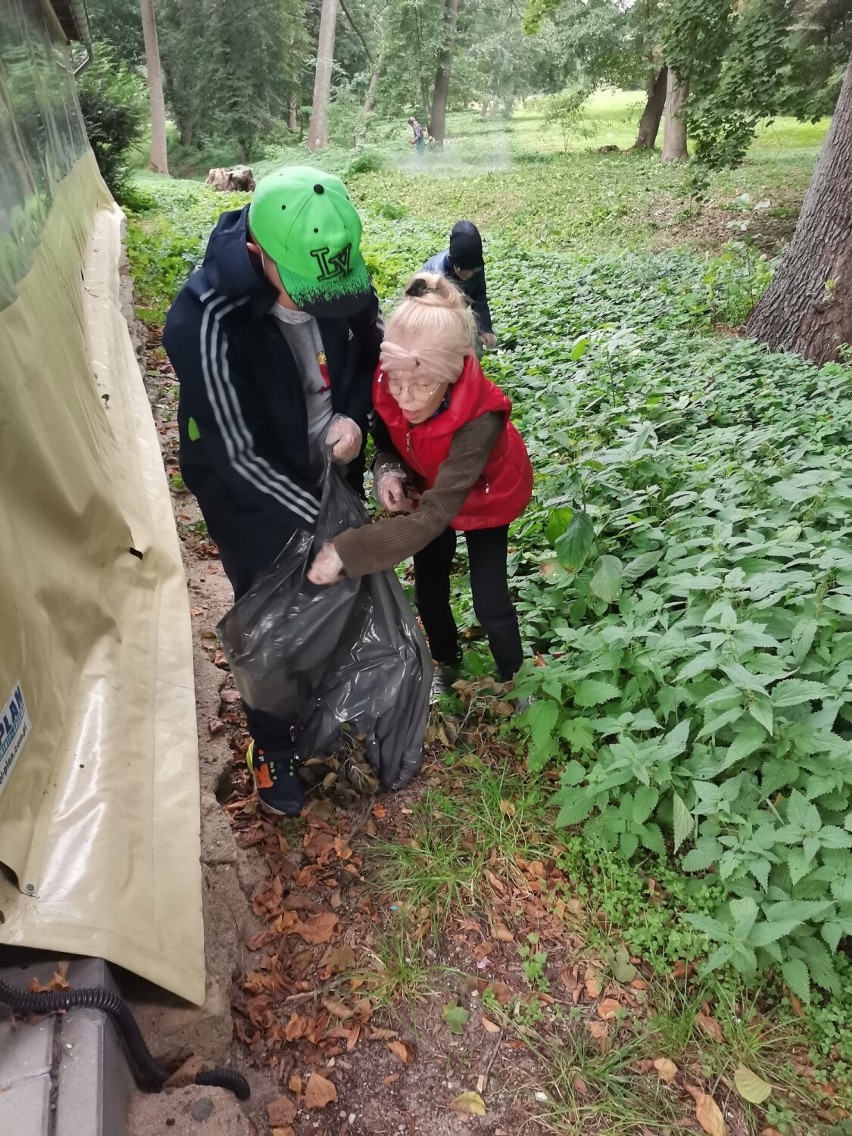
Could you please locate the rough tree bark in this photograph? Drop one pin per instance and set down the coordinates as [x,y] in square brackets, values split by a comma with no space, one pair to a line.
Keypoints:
[318,129]
[649,123]
[159,160]
[375,79]
[808,306]
[674,134]
[438,115]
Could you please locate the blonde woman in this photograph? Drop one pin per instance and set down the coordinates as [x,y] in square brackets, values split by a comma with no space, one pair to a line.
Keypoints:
[451,462]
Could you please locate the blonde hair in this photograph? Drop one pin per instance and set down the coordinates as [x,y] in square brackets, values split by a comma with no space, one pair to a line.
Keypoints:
[433,326]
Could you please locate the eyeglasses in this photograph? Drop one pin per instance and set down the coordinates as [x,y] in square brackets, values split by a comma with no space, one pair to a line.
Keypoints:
[413,390]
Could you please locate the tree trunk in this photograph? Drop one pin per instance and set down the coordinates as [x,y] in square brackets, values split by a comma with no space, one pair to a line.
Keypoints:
[185,134]
[674,135]
[293,116]
[438,116]
[159,160]
[375,79]
[649,123]
[808,306]
[318,129]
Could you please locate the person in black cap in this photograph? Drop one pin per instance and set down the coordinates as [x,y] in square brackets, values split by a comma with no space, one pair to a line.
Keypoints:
[464,264]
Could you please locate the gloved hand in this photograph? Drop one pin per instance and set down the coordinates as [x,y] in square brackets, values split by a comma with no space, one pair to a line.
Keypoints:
[344,437]
[488,338]
[327,567]
[390,492]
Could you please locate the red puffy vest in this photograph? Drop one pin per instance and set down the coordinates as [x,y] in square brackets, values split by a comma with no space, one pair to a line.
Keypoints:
[504,489]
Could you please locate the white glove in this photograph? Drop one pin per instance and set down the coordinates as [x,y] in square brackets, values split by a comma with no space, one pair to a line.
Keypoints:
[390,492]
[345,437]
[327,567]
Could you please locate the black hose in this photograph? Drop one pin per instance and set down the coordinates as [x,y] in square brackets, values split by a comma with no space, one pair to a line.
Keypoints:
[152,1075]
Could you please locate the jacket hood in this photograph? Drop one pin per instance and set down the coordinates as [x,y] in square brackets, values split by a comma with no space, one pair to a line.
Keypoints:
[227,266]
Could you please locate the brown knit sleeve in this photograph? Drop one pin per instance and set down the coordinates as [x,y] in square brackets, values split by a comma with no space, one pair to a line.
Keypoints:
[385,543]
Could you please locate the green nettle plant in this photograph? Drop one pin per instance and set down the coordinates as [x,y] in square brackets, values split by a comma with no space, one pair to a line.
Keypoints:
[692,591]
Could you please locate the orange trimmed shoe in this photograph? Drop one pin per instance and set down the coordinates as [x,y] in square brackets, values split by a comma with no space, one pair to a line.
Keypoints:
[276,780]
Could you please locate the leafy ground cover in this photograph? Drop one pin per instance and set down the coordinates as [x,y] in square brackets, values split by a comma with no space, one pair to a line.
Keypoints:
[632,900]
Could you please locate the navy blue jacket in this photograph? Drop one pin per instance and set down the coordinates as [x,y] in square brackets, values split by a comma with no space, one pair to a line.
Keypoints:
[474,288]
[241,413]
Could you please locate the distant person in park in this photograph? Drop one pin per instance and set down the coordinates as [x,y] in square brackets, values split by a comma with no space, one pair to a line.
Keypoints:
[451,460]
[275,340]
[418,139]
[463,263]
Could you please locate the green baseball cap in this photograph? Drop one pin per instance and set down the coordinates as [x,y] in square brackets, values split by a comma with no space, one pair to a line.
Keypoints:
[305,221]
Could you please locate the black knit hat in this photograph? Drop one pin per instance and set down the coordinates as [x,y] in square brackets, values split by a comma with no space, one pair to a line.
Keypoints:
[466,245]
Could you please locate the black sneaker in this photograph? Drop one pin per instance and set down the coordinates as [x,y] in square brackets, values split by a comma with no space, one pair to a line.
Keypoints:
[276,780]
[443,678]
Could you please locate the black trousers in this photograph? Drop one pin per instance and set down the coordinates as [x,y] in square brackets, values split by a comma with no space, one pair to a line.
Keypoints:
[492,603]
[248,543]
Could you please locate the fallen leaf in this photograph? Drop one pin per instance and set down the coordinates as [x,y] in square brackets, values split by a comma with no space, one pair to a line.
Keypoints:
[591,984]
[57,983]
[502,933]
[186,1073]
[507,808]
[295,1084]
[579,1084]
[403,1051]
[489,1026]
[501,992]
[286,922]
[751,1087]
[666,1070]
[798,1008]
[319,928]
[319,1092]
[392,1079]
[379,811]
[709,1026]
[382,1035]
[455,1017]
[707,1113]
[608,1008]
[598,1030]
[197,610]
[339,958]
[471,1103]
[337,1009]
[496,883]
[281,1111]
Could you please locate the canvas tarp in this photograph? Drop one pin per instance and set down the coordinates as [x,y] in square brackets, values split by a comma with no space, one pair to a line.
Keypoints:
[99,808]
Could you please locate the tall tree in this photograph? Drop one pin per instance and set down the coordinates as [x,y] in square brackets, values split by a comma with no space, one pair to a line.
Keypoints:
[674,135]
[159,159]
[438,113]
[649,123]
[808,306]
[318,129]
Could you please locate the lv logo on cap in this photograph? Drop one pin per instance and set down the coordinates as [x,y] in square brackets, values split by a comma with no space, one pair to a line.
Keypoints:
[332,266]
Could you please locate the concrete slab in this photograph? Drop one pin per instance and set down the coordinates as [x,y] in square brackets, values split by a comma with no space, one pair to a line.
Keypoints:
[67,1074]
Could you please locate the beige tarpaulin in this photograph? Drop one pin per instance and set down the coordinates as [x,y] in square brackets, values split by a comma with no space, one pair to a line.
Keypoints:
[99,810]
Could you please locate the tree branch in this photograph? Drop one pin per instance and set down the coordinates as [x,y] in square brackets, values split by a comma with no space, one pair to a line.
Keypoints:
[356,30]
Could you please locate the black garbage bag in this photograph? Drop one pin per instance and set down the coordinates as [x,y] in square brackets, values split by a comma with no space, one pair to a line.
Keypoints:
[338,661]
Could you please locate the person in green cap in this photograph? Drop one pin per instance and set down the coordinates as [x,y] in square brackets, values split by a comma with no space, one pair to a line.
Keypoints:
[274,340]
